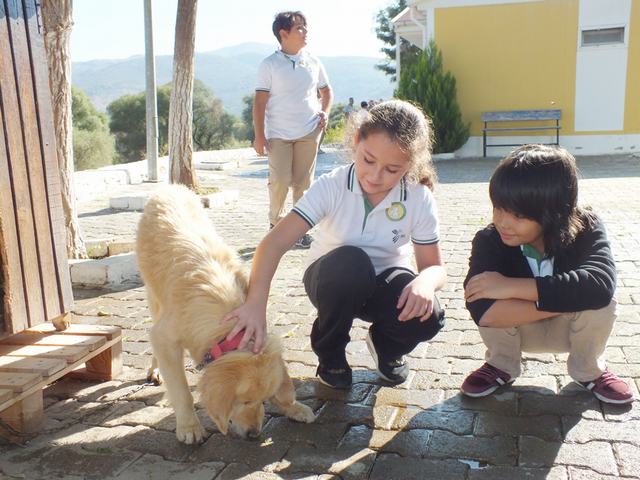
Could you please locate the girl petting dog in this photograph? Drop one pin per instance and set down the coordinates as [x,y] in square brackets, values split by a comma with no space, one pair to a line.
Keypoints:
[371,216]
[541,276]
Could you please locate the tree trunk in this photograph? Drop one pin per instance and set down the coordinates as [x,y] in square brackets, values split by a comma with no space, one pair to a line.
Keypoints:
[181,106]
[57,22]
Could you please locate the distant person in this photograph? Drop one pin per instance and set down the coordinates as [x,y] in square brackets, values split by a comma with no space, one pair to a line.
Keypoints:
[349,109]
[291,109]
[542,276]
[361,114]
[370,104]
[374,217]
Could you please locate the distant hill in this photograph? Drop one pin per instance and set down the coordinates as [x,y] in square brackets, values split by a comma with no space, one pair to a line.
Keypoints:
[230,72]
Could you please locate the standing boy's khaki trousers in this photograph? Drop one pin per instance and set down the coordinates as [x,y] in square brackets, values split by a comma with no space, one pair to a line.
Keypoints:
[291,164]
[583,334]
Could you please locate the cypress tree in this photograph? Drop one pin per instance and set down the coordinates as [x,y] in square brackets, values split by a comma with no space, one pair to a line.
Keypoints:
[427,84]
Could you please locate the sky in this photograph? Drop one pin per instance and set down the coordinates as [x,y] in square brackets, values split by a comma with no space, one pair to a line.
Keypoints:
[112,29]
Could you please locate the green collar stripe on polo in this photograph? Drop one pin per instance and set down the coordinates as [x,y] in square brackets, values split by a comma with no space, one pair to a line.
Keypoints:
[530,252]
[351,178]
[367,210]
[403,189]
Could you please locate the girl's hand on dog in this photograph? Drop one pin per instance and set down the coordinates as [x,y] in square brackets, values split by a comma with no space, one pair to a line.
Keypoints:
[253,321]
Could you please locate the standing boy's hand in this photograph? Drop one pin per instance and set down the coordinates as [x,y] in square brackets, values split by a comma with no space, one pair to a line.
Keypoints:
[416,300]
[253,320]
[261,145]
[322,123]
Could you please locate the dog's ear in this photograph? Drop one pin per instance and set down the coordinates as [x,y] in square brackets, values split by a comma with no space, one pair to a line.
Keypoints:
[218,396]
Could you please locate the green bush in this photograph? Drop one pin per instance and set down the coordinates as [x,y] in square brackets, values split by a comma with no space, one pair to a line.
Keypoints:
[213,127]
[127,121]
[93,145]
[92,149]
[247,119]
[426,84]
[335,132]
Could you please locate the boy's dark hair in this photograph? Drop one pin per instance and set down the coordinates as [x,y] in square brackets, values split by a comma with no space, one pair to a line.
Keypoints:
[364,104]
[284,21]
[540,182]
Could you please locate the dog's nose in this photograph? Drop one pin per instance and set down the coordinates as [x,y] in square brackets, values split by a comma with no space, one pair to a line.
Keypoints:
[253,433]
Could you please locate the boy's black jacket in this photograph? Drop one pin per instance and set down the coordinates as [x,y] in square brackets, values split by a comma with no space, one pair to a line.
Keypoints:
[584,273]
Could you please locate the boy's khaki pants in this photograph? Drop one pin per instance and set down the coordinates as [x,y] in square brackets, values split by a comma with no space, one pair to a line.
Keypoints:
[291,163]
[583,334]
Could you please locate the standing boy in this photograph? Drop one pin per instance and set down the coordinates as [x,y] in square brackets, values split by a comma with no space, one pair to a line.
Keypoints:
[288,116]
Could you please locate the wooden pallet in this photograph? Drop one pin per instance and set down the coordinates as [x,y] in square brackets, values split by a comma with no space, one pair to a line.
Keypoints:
[38,356]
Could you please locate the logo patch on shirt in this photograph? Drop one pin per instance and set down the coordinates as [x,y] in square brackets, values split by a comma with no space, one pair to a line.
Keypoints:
[397,234]
[396,212]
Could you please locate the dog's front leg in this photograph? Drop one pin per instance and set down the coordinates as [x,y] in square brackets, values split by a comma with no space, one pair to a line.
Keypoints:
[285,400]
[170,359]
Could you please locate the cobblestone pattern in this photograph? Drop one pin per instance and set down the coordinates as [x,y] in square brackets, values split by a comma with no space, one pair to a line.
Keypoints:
[544,427]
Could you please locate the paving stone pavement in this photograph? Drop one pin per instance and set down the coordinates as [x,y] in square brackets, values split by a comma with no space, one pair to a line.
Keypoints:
[542,427]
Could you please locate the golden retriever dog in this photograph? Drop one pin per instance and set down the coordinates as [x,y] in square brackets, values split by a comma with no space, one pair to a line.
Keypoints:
[192,280]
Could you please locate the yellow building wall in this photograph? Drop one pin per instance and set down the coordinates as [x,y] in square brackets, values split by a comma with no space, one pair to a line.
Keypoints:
[632,100]
[511,57]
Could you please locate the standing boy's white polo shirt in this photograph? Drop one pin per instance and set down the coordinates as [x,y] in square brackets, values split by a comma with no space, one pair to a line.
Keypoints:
[292,82]
[335,203]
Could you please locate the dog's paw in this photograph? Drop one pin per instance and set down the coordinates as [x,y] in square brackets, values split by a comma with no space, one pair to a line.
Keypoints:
[301,413]
[153,375]
[191,433]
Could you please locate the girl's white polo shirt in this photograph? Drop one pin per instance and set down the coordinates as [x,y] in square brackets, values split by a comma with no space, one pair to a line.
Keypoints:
[335,203]
[292,82]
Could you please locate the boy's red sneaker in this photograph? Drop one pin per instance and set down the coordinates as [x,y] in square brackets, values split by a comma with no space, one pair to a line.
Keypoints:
[484,381]
[609,388]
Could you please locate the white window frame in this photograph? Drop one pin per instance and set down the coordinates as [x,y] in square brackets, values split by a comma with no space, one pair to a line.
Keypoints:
[587,28]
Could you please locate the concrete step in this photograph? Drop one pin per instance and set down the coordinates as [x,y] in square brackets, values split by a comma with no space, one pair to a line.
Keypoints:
[137,202]
[106,247]
[105,272]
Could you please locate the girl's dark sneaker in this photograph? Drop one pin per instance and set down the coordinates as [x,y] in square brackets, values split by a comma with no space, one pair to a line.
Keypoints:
[304,241]
[392,370]
[484,381]
[609,388]
[335,377]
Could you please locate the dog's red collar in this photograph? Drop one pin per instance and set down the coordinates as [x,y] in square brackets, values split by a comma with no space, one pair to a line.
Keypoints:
[217,350]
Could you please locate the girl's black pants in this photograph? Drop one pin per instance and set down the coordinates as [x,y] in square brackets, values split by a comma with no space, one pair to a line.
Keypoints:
[342,285]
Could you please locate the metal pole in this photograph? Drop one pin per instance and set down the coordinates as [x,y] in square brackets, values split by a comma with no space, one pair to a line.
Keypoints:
[151,103]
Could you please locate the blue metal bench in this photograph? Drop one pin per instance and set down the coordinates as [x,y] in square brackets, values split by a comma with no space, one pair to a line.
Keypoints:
[518,116]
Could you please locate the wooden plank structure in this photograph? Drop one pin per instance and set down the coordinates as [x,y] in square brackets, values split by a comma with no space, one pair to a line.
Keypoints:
[35,285]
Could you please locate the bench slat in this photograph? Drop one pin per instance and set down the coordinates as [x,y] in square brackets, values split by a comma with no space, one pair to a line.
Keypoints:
[18,382]
[44,366]
[5,395]
[43,339]
[513,144]
[68,354]
[517,115]
[107,331]
[504,129]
